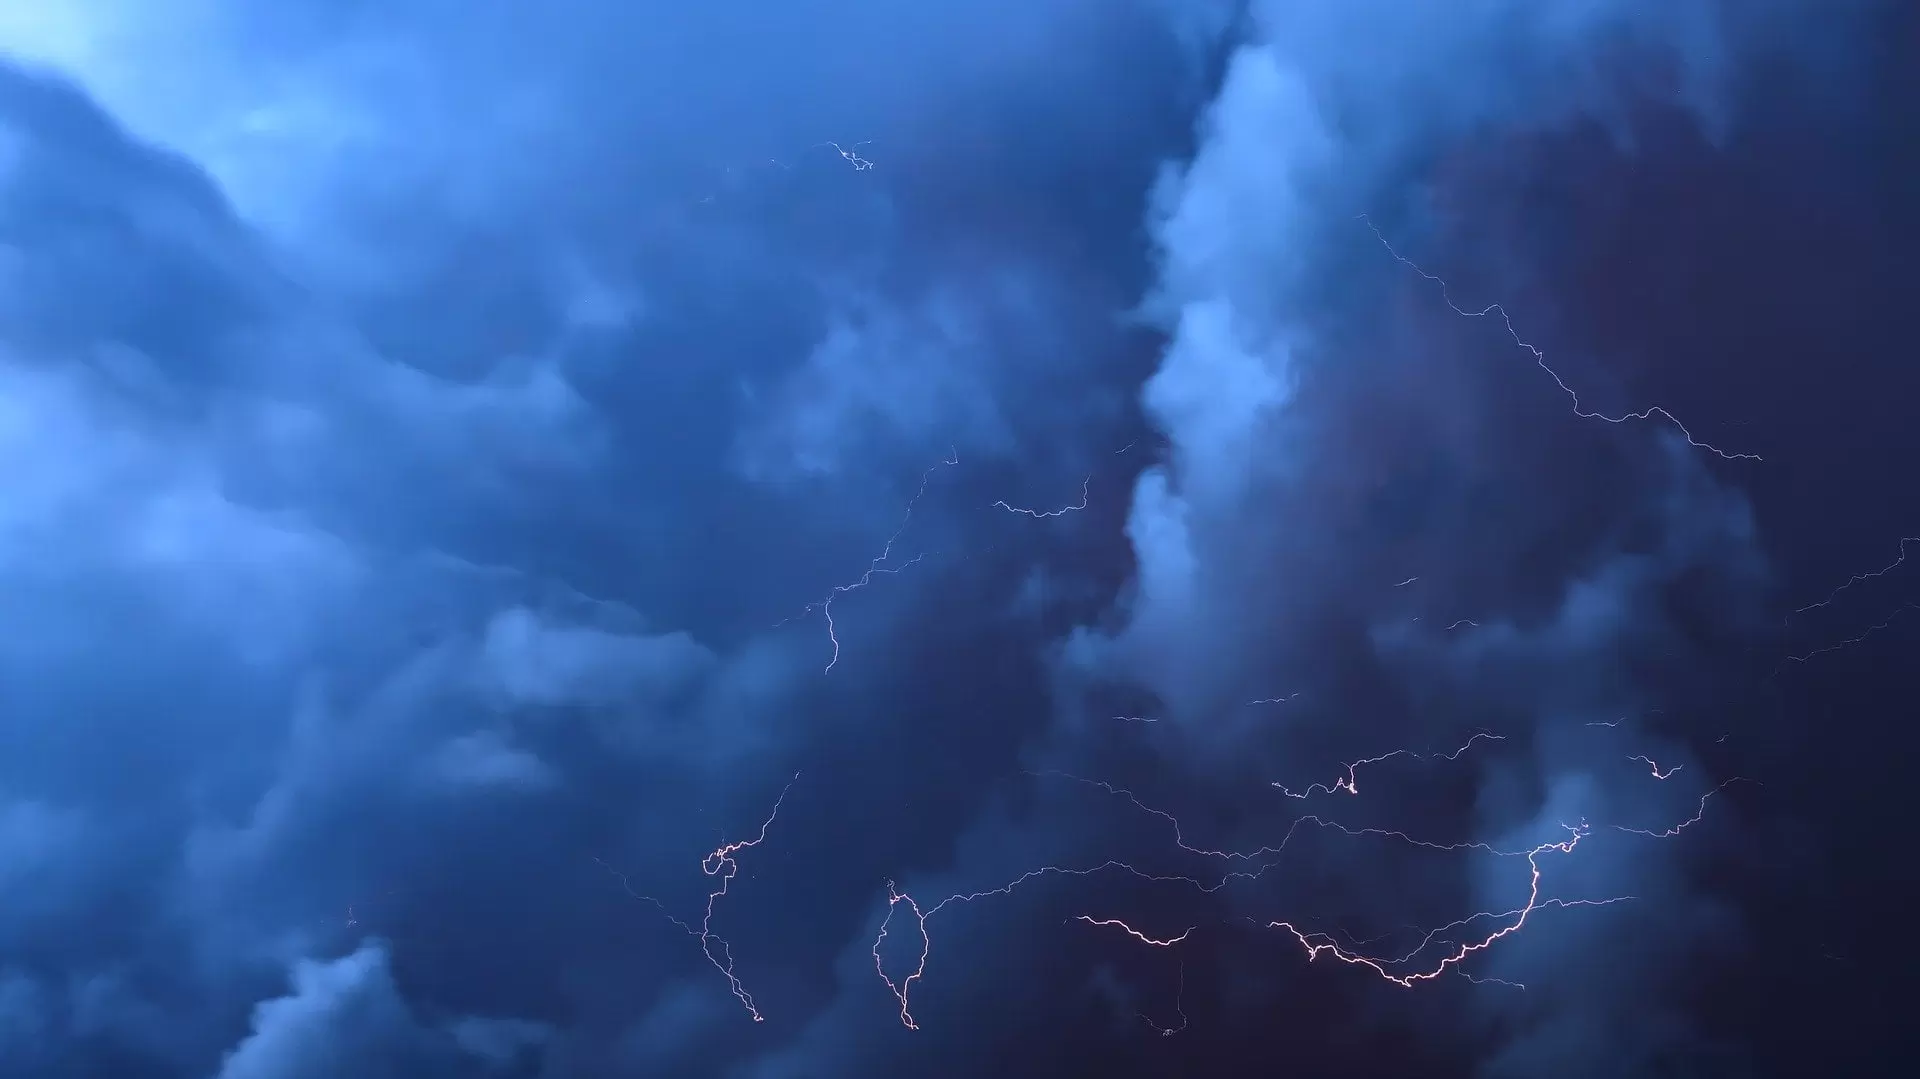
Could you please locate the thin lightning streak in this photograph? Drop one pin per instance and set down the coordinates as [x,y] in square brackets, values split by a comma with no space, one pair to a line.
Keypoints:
[1349,784]
[1492,981]
[1540,359]
[1459,923]
[1132,932]
[1851,641]
[1657,773]
[1061,512]
[1605,723]
[1180,841]
[903,988]
[1669,833]
[1463,622]
[1316,944]
[851,154]
[1276,700]
[1406,582]
[1135,719]
[1862,578]
[722,865]
[876,567]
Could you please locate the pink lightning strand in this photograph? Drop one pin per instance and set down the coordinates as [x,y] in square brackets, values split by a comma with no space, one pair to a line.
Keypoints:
[1136,934]
[1315,944]
[1540,359]
[722,865]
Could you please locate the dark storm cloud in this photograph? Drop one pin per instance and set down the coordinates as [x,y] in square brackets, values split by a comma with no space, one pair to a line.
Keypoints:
[413,447]
[419,419]
[1337,436]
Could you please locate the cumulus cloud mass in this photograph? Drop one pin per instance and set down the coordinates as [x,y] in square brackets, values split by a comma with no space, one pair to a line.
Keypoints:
[836,539]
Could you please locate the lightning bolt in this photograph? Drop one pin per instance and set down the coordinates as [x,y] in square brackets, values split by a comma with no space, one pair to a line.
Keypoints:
[1862,578]
[1317,944]
[1061,512]
[1132,932]
[1657,773]
[1349,783]
[876,567]
[1698,816]
[722,865]
[1258,861]
[1858,638]
[1276,700]
[1540,359]
[851,154]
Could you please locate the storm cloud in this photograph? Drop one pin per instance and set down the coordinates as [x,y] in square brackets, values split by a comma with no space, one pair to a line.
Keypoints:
[466,465]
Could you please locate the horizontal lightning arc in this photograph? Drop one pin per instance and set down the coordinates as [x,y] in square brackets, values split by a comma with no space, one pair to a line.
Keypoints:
[1132,932]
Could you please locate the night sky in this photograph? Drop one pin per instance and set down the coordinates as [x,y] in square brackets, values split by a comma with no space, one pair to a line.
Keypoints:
[836,539]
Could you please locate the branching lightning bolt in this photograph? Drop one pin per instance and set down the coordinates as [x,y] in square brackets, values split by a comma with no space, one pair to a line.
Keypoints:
[1317,944]
[1540,359]
[722,865]
[851,154]
[1698,816]
[1349,784]
[876,567]
[1261,860]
